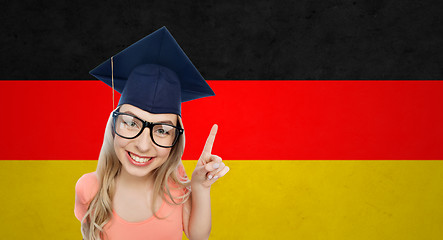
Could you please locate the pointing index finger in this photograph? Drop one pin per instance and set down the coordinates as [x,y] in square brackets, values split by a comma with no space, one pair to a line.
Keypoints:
[210,141]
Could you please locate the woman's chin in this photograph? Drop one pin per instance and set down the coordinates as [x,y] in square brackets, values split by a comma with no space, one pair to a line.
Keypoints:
[137,171]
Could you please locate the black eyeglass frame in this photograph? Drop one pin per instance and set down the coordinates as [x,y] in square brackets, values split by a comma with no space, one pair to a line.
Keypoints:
[149,125]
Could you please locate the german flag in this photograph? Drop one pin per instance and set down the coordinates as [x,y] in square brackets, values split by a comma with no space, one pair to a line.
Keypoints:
[308,159]
[339,159]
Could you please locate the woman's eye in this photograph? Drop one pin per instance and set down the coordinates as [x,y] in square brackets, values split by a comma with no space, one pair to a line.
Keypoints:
[131,124]
[162,132]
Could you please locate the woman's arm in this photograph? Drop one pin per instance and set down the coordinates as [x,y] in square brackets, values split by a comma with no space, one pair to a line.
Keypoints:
[199,215]
[197,211]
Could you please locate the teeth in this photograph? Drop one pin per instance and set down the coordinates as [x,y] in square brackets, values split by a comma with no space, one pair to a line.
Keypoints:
[139,159]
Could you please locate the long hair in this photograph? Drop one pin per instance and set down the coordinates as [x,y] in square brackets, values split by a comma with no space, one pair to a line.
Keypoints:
[108,168]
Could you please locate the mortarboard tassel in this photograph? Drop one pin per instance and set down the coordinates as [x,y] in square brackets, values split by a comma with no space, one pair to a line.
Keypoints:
[112,76]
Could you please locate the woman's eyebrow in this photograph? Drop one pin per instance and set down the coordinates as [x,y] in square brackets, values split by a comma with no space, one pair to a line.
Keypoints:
[165,121]
[169,122]
[127,111]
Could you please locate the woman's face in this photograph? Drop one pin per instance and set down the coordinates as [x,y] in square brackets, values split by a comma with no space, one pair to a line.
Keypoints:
[139,156]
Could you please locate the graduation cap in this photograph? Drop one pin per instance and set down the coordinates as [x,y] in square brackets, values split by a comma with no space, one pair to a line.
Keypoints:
[154,74]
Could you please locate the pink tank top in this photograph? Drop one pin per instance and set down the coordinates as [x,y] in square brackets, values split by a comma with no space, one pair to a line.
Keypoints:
[170,227]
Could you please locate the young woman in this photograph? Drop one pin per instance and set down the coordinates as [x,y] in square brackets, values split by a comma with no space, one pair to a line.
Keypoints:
[140,189]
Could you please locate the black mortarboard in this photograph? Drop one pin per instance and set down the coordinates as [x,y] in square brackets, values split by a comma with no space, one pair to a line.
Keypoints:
[154,74]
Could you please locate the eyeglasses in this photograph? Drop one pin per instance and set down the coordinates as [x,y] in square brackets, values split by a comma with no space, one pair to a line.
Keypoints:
[129,126]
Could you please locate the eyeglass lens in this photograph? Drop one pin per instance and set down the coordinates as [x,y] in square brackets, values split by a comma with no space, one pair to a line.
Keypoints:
[129,126]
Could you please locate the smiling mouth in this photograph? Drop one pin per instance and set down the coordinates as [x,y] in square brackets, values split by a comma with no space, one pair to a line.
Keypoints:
[139,159]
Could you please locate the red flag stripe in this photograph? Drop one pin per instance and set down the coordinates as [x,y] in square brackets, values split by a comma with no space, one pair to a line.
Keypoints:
[286,120]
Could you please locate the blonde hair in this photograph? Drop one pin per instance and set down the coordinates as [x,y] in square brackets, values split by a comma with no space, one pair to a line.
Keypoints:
[108,168]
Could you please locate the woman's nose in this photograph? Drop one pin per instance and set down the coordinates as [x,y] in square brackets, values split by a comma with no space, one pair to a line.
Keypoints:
[144,142]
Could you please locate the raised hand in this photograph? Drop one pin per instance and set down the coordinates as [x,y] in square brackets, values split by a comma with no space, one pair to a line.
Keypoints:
[209,167]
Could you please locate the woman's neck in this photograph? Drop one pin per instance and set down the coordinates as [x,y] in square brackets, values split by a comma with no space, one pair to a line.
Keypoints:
[135,182]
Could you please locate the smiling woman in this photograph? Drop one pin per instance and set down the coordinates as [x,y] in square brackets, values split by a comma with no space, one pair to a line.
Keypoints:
[136,147]
[140,189]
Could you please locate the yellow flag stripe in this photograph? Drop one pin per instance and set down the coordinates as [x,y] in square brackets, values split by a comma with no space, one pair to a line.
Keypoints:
[255,200]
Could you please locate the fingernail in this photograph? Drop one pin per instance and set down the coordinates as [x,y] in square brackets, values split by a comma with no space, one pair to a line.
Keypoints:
[215,177]
[216,165]
[209,177]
